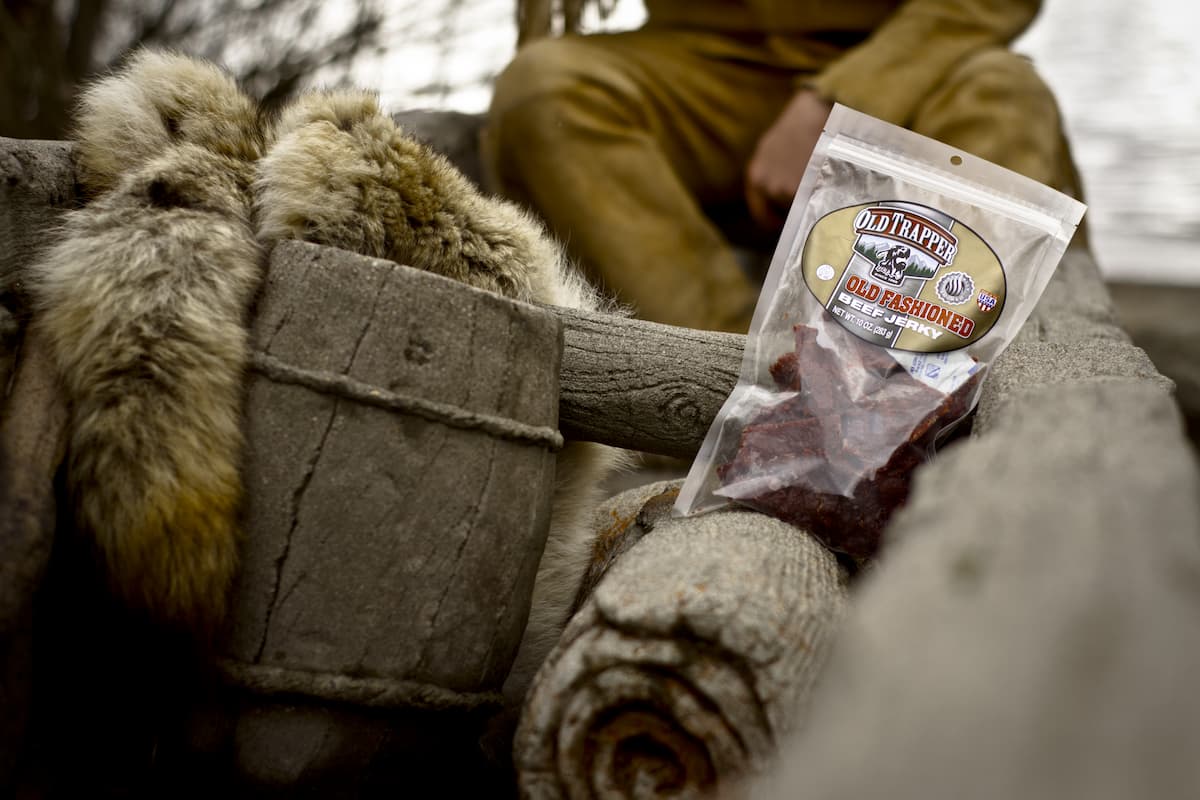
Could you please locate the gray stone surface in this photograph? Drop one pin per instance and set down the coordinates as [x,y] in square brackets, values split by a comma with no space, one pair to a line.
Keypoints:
[644,386]
[37,182]
[1031,628]
[695,653]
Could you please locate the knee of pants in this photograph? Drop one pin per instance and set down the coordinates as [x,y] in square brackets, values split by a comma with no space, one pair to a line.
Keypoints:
[547,68]
[546,97]
[995,106]
[996,76]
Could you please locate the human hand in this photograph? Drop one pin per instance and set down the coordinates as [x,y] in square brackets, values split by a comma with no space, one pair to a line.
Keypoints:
[779,160]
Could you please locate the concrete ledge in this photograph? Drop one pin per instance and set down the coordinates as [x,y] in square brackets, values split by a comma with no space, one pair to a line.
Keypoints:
[1031,629]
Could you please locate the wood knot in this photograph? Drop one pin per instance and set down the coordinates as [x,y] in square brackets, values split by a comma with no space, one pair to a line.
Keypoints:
[418,351]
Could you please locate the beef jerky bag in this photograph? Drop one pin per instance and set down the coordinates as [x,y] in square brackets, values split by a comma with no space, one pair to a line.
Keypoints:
[904,269]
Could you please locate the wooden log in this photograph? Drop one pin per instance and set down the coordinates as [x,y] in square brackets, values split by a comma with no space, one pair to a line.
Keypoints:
[695,653]
[32,443]
[1031,629]
[296,632]
[627,383]
[380,543]
[37,181]
[400,458]
[641,385]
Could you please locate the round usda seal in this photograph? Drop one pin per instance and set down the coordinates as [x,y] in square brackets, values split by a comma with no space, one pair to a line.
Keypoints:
[955,288]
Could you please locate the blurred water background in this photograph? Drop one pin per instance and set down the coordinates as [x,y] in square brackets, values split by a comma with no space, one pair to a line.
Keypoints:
[1127,75]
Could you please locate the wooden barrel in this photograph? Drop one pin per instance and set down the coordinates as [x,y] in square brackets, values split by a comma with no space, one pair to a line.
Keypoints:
[402,431]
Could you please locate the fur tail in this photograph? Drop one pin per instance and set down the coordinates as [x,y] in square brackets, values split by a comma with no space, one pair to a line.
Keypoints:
[143,301]
[158,99]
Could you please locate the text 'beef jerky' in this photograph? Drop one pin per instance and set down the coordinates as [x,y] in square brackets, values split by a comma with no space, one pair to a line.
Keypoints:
[904,269]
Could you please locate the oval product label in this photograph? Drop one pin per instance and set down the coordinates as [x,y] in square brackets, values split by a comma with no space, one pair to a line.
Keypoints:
[904,276]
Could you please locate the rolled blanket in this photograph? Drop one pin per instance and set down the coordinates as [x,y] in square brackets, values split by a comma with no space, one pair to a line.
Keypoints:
[696,651]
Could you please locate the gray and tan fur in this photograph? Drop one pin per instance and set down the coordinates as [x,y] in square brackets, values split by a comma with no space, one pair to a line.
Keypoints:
[341,173]
[143,302]
[156,100]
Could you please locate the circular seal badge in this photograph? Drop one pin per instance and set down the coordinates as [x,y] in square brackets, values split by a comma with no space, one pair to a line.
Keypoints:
[903,276]
[955,288]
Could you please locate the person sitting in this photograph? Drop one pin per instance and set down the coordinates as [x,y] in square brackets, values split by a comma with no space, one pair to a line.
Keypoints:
[652,153]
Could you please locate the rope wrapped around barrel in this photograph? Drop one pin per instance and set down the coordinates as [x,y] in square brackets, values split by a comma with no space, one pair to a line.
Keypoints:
[348,388]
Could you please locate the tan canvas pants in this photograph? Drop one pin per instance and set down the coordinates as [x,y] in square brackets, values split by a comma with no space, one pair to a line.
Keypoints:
[626,143]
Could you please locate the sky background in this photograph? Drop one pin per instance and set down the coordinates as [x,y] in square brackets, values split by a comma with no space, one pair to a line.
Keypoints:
[1126,73]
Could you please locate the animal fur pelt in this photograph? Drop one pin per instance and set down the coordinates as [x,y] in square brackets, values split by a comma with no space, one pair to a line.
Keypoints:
[143,301]
[157,100]
[341,173]
[145,296]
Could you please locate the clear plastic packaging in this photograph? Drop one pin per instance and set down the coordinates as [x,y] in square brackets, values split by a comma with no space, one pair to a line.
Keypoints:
[904,269]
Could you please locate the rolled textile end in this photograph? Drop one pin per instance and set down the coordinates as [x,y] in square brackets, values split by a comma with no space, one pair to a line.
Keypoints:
[693,656]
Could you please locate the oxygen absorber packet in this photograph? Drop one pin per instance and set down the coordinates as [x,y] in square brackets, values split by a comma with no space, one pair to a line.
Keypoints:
[905,268]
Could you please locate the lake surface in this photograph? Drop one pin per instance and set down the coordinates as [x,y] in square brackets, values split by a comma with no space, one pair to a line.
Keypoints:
[1127,75]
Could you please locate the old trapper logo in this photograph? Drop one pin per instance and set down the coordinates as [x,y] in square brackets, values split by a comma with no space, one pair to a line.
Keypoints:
[902,244]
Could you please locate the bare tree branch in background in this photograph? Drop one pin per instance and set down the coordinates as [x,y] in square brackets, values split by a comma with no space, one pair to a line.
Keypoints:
[49,49]
[445,32]
[32,98]
[84,28]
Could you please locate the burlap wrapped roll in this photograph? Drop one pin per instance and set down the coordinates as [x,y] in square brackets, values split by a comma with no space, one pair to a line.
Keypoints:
[693,655]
